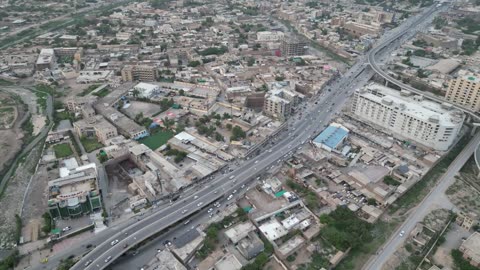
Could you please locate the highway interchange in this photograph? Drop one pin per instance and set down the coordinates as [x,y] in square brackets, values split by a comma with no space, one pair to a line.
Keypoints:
[302,128]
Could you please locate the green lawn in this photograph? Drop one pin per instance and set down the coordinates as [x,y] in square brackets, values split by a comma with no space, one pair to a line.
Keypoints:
[62,150]
[90,144]
[88,90]
[158,139]
[102,92]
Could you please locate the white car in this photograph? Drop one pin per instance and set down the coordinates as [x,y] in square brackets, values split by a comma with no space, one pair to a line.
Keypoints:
[114,242]
[200,204]
[108,259]
[210,210]
[402,233]
[234,191]
[256,161]
[229,197]
[184,211]
[231,177]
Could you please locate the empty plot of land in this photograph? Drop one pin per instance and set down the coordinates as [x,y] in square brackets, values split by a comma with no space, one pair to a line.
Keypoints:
[136,107]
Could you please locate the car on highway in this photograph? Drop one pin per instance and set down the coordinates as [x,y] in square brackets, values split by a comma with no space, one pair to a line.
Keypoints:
[199,204]
[196,197]
[229,197]
[231,177]
[402,233]
[234,191]
[242,186]
[114,242]
[186,222]
[184,211]
[66,229]
[108,259]
[88,263]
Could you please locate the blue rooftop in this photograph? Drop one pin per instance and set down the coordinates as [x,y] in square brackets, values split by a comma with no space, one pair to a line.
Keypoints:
[331,136]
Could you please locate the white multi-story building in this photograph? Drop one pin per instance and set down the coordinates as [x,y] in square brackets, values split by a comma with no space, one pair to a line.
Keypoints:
[408,116]
[267,36]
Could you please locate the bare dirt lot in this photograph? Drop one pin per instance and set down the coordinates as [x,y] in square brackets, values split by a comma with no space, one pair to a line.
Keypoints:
[9,145]
[118,181]
[12,198]
[10,127]
[465,192]
[148,109]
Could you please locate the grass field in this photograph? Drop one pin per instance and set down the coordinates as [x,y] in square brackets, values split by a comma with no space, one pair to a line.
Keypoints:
[90,144]
[102,92]
[158,139]
[62,150]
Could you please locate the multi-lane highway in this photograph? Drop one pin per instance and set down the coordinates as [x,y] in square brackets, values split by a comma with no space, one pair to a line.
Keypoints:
[302,128]
[313,118]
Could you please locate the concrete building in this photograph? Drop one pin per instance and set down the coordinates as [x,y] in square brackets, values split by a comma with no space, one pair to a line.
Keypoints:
[465,91]
[76,104]
[45,59]
[277,107]
[467,220]
[471,249]
[374,16]
[165,260]
[228,262]
[75,193]
[139,73]
[359,29]
[250,246]
[125,125]
[267,36]
[332,137]
[439,40]
[279,103]
[408,116]
[293,47]
[95,126]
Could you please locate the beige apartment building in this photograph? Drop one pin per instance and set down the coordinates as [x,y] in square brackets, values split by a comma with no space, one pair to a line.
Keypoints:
[465,91]
[139,73]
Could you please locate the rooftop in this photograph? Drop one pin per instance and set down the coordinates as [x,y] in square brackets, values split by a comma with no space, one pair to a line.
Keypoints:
[332,135]
[413,105]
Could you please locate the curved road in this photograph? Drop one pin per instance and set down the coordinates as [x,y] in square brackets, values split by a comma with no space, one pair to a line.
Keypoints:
[425,17]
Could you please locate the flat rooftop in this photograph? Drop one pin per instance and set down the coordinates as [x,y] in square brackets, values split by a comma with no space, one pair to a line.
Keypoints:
[412,104]
[332,136]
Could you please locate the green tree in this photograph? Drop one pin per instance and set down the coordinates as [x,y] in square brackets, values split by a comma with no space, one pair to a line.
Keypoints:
[237,133]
